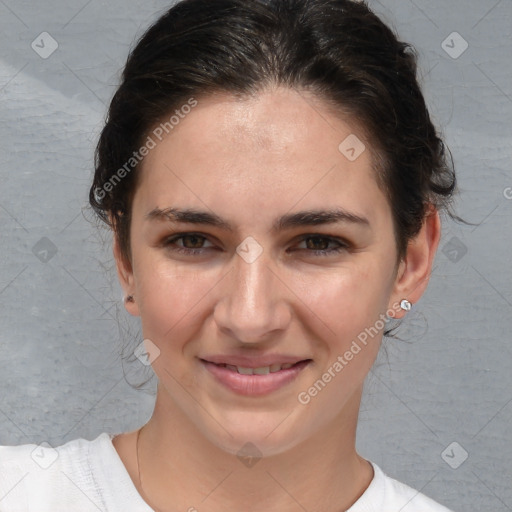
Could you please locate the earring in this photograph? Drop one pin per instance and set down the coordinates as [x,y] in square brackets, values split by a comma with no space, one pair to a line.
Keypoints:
[405,305]
[129,298]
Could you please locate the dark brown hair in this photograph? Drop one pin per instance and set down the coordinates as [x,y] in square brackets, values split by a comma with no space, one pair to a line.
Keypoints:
[337,49]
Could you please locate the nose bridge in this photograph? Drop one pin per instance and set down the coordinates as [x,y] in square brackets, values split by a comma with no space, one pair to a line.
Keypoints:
[252,304]
[252,285]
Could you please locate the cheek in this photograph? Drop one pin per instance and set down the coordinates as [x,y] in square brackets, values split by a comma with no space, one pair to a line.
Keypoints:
[346,300]
[170,297]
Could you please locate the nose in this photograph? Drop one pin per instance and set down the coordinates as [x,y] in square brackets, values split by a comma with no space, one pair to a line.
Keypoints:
[253,305]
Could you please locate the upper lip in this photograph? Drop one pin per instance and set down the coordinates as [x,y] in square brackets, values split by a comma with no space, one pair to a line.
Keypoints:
[253,361]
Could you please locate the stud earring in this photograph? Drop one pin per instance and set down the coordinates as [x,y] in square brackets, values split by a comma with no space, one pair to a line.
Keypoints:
[129,298]
[405,305]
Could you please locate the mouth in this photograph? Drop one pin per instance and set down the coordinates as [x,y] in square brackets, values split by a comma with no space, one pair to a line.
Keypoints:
[255,380]
[261,370]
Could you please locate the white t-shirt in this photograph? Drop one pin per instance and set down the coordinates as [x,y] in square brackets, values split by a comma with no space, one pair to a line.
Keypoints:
[89,476]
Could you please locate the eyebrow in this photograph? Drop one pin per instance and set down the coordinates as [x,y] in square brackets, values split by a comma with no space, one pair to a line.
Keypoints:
[288,221]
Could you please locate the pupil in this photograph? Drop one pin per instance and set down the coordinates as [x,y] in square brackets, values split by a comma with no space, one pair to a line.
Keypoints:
[316,241]
[193,237]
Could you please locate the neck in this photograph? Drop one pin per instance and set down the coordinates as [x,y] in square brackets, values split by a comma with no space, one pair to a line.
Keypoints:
[178,465]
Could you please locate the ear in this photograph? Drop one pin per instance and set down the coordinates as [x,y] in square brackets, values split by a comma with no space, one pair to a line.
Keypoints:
[414,270]
[125,275]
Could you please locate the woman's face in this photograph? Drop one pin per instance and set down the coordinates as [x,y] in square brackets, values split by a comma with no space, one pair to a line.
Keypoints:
[277,285]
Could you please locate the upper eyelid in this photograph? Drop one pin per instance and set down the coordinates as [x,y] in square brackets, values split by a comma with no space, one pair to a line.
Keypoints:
[178,236]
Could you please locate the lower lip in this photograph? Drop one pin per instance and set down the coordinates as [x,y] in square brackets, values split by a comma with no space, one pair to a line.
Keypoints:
[254,385]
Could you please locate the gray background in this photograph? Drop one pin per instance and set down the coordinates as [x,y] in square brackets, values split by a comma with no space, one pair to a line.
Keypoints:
[62,375]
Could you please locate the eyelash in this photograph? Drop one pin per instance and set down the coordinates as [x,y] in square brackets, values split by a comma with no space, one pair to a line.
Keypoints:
[343,246]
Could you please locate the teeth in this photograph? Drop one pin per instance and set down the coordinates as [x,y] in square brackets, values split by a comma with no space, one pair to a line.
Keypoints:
[244,371]
[262,370]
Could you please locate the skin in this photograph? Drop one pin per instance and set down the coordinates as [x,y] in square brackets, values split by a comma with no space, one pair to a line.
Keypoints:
[250,161]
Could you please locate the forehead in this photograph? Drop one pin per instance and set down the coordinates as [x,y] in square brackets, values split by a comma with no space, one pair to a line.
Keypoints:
[278,149]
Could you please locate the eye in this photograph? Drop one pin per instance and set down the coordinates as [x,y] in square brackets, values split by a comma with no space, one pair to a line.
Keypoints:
[194,242]
[318,245]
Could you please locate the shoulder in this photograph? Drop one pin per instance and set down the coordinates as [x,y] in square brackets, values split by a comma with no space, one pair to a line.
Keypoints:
[31,473]
[386,493]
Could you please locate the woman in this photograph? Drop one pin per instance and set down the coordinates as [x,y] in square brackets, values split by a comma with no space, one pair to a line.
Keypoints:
[273,182]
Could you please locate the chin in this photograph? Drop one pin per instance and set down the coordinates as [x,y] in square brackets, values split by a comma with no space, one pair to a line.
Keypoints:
[256,434]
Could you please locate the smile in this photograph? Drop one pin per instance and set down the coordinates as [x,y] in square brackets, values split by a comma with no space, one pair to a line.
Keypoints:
[262,370]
